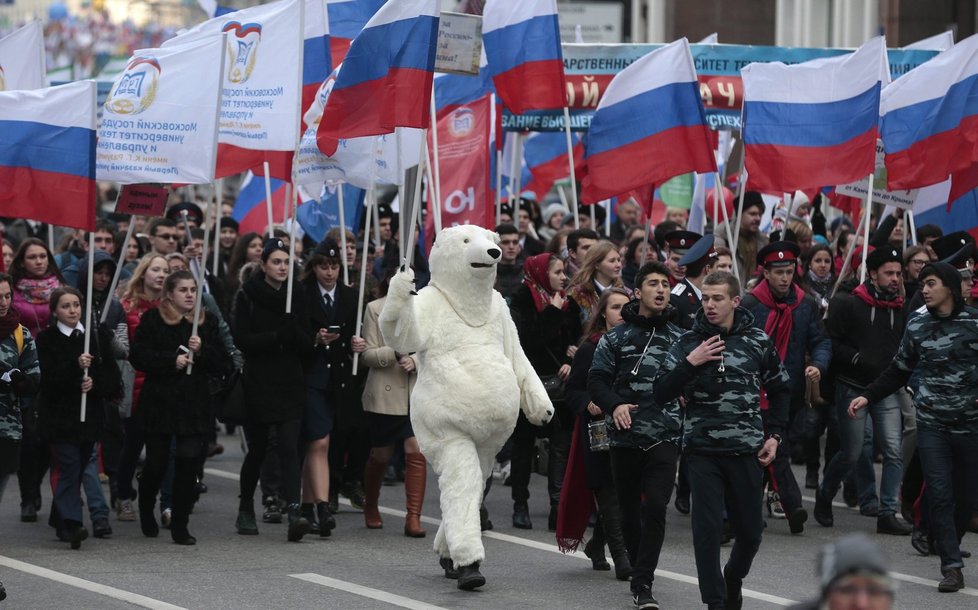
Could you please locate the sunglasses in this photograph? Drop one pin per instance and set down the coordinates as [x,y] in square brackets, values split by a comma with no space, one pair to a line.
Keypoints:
[168,236]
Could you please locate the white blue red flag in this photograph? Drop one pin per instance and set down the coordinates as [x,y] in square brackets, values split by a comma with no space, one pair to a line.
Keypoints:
[260,107]
[815,123]
[522,43]
[250,207]
[47,154]
[930,119]
[952,211]
[346,21]
[214,9]
[386,78]
[22,63]
[629,145]
[546,158]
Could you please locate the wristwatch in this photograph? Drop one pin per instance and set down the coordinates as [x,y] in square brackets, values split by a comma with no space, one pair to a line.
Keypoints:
[776,437]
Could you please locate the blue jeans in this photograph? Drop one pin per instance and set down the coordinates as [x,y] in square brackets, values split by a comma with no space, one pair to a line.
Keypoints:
[949,462]
[94,496]
[888,427]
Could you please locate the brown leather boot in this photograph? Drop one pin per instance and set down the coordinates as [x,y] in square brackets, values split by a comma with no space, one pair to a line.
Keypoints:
[373,477]
[415,474]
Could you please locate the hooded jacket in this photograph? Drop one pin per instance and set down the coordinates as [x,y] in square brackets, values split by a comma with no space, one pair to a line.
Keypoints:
[723,413]
[943,351]
[625,363]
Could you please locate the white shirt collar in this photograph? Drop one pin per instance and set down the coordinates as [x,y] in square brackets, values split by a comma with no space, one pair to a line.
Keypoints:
[67,330]
[323,292]
[699,293]
[601,288]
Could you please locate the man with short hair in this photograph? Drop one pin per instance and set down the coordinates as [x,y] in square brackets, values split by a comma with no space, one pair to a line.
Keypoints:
[75,257]
[676,244]
[163,236]
[644,433]
[530,245]
[793,320]
[509,270]
[719,367]
[629,214]
[748,234]
[578,243]
[941,346]
[865,327]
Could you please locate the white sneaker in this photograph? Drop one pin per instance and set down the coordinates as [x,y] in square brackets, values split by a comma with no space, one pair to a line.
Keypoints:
[166,517]
[126,511]
[774,508]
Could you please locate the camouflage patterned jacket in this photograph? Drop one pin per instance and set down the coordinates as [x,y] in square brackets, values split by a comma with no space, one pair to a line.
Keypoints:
[723,413]
[944,351]
[11,357]
[625,363]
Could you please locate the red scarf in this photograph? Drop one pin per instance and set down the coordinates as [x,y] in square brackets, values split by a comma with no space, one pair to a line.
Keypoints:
[536,270]
[780,318]
[870,298]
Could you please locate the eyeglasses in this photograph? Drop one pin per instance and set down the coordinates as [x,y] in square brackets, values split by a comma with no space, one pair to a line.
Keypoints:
[168,236]
[920,262]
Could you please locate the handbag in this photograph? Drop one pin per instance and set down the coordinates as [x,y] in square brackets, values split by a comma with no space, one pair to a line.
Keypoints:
[553,384]
[233,408]
[597,435]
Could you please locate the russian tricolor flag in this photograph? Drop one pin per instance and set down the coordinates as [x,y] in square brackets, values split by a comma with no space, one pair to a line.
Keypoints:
[522,43]
[649,126]
[545,154]
[813,123]
[346,21]
[930,119]
[938,204]
[47,154]
[250,207]
[386,78]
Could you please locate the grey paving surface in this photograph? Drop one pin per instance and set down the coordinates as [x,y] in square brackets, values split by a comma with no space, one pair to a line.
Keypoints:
[523,568]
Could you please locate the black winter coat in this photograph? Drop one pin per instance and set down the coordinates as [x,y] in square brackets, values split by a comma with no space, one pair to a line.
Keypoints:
[59,401]
[545,335]
[331,366]
[274,345]
[172,402]
[597,464]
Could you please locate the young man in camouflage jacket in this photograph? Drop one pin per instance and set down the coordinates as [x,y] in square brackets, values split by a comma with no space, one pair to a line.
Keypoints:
[719,367]
[941,345]
[644,433]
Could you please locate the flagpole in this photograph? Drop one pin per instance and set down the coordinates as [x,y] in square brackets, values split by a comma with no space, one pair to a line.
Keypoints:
[740,212]
[435,213]
[435,163]
[376,215]
[416,208]
[268,200]
[607,218]
[645,240]
[514,171]
[866,213]
[849,250]
[346,266]
[363,269]
[118,267]
[291,281]
[51,237]
[570,163]
[201,278]
[88,315]
[726,220]
[219,187]
[400,198]
[499,158]
[285,204]
[519,174]
[911,226]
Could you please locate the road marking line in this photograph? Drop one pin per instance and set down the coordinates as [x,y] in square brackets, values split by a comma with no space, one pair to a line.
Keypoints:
[94,587]
[223,474]
[377,594]
[931,583]
[533,544]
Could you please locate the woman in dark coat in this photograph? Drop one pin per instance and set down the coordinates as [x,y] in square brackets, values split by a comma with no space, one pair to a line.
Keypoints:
[175,407]
[61,354]
[274,344]
[547,329]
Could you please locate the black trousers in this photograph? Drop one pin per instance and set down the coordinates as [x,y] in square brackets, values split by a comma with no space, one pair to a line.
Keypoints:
[35,456]
[189,450]
[648,473]
[734,482]
[561,432]
[287,435]
[521,460]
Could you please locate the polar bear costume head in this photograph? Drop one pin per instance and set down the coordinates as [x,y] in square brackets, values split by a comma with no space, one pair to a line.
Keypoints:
[463,268]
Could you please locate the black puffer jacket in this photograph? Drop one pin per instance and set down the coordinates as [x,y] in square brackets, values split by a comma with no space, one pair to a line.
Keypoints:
[274,345]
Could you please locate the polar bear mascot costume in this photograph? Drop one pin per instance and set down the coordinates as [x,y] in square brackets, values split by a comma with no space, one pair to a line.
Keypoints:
[473,378]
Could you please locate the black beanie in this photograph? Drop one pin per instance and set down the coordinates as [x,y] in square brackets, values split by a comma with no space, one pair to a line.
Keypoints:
[949,276]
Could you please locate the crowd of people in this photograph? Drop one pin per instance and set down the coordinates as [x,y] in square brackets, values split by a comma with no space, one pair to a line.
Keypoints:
[683,367]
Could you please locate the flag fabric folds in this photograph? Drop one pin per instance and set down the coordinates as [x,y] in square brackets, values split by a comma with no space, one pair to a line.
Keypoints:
[627,146]
[546,157]
[346,20]
[317,217]
[814,123]
[930,119]
[47,154]
[22,63]
[522,43]
[386,77]
[260,108]
[159,121]
[214,9]
[250,209]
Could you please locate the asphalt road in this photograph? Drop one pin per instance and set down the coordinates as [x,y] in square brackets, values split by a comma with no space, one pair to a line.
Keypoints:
[360,568]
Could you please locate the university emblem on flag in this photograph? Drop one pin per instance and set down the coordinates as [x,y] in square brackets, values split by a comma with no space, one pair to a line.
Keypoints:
[135,90]
[243,42]
[462,123]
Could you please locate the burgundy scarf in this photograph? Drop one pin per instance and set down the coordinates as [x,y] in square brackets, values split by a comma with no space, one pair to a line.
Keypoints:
[537,278]
[576,500]
[780,318]
[870,298]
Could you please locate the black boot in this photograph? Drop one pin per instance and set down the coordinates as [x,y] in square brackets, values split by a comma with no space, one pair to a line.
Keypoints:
[76,533]
[485,524]
[184,493]
[246,524]
[308,510]
[521,516]
[147,505]
[446,564]
[298,525]
[893,526]
[953,580]
[611,523]
[326,520]
[823,509]
[470,578]
[594,549]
